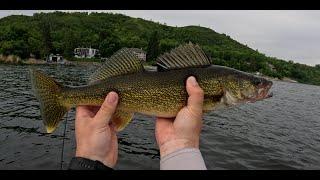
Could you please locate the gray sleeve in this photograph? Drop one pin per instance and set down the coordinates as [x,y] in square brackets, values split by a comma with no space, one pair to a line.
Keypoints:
[183,159]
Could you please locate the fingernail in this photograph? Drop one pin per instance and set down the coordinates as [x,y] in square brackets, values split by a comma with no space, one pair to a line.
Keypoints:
[112,97]
[193,81]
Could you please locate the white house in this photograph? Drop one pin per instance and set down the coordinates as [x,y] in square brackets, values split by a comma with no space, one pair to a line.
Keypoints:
[85,52]
[140,53]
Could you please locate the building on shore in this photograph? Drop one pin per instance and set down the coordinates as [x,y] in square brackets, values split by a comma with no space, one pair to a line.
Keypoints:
[55,58]
[86,52]
[140,53]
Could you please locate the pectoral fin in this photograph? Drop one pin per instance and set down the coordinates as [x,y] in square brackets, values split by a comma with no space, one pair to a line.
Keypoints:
[121,119]
[208,105]
[212,102]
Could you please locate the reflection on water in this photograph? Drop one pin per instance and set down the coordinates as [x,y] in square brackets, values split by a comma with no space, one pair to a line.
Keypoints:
[282,132]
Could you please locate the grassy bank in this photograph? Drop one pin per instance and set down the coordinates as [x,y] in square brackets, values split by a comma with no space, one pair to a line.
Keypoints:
[73,59]
[13,59]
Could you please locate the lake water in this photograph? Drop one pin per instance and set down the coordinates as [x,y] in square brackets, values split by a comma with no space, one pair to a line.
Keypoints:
[282,132]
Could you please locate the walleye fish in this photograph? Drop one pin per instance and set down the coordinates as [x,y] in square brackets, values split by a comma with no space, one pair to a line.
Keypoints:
[160,94]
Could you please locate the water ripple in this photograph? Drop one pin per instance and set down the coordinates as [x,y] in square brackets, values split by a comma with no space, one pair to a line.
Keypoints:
[282,132]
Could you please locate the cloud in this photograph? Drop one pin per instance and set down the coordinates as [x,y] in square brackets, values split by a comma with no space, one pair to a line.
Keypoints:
[290,35]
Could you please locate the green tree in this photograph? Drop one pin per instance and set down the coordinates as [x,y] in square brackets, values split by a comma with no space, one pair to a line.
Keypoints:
[167,44]
[109,44]
[61,32]
[44,25]
[153,49]
[15,41]
[71,41]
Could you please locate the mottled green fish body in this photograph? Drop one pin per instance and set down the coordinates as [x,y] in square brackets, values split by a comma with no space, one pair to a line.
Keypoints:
[160,94]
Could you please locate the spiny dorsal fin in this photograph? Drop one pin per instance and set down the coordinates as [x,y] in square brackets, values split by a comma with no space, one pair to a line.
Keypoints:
[187,55]
[122,62]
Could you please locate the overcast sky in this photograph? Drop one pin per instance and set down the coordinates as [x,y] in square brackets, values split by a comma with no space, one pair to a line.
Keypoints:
[289,35]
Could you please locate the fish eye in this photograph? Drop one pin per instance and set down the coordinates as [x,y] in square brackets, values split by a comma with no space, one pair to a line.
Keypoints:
[256,81]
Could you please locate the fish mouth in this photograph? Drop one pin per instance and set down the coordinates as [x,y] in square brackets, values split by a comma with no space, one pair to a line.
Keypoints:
[269,95]
[263,91]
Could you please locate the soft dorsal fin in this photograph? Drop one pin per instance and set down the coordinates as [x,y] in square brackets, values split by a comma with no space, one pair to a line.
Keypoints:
[122,62]
[187,55]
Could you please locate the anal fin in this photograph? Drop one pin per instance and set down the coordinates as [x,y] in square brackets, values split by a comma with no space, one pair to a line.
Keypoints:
[121,119]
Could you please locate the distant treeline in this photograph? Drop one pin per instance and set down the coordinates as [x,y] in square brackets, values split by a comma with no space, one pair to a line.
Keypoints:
[60,33]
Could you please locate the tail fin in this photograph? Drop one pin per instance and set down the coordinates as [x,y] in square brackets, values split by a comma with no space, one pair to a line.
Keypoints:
[47,91]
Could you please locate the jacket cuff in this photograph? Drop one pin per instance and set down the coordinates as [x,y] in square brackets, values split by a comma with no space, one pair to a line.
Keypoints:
[80,163]
[183,159]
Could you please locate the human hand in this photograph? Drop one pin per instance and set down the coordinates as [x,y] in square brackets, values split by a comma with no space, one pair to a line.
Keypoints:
[183,131]
[95,136]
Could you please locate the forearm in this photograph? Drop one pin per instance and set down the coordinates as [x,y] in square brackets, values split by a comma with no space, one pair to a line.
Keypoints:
[183,159]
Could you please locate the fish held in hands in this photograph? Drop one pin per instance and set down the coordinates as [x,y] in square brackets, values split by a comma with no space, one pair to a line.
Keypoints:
[159,93]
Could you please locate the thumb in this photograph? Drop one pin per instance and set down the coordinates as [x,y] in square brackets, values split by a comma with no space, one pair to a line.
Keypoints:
[107,109]
[163,123]
[196,96]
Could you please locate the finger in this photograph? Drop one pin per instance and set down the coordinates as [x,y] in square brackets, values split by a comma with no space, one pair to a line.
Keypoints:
[196,96]
[164,127]
[163,123]
[107,109]
[94,109]
[83,112]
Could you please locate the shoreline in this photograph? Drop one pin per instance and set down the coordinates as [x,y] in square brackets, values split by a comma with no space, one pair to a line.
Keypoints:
[285,79]
[11,60]
[32,61]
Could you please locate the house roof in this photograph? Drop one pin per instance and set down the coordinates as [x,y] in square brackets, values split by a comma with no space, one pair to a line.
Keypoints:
[55,55]
[137,50]
[85,48]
